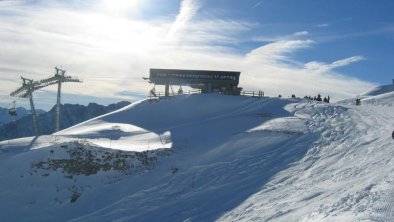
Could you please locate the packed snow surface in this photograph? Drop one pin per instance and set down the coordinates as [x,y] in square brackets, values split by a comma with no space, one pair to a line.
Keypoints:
[209,158]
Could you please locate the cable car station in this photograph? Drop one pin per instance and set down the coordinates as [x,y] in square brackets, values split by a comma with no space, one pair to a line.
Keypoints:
[225,82]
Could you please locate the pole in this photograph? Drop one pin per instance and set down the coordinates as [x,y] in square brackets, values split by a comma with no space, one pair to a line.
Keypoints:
[34,116]
[57,120]
[167,89]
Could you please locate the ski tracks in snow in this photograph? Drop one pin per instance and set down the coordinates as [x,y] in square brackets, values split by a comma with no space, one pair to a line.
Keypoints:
[357,138]
[346,174]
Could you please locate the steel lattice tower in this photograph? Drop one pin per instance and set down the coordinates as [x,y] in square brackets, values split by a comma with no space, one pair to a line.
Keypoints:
[58,79]
[26,91]
[29,86]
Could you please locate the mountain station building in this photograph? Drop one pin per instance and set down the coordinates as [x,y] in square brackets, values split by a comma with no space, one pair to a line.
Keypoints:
[207,81]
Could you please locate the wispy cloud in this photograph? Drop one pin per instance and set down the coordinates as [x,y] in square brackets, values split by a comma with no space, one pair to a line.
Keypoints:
[322,25]
[278,51]
[118,7]
[302,33]
[112,53]
[386,30]
[187,11]
[321,67]
[258,3]
[293,36]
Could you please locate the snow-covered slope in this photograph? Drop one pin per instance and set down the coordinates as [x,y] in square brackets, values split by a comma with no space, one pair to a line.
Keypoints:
[208,157]
[380,90]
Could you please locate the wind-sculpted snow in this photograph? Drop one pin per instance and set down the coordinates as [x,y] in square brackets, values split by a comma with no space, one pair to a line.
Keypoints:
[216,157]
[347,174]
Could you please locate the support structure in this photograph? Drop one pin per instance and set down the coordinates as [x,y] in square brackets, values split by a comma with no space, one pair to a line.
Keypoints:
[57,121]
[26,91]
[29,86]
[34,116]
[167,89]
[58,79]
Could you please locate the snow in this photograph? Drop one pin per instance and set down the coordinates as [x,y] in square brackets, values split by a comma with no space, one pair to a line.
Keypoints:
[215,158]
[380,90]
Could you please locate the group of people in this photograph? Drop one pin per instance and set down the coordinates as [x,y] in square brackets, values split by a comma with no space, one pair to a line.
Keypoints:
[318,98]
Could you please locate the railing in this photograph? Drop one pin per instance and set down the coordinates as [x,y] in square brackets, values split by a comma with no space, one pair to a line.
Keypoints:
[159,95]
[259,93]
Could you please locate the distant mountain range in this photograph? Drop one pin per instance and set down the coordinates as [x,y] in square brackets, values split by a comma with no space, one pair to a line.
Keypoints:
[71,114]
[5,117]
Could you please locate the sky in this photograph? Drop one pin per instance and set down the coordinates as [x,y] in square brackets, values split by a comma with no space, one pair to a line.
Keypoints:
[340,48]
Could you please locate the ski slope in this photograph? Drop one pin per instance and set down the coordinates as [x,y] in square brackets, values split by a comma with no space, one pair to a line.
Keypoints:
[210,158]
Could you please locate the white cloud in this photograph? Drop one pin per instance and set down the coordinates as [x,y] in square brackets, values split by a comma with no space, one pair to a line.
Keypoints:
[278,51]
[112,53]
[116,7]
[258,3]
[302,33]
[294,36]
[321,67]
[322,25]
[187,11]
[347,61]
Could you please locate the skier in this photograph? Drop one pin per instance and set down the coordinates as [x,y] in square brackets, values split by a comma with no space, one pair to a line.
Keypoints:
[392,134]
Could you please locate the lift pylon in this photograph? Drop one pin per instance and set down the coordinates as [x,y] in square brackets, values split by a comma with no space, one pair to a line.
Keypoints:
[26,91]
[29,86]
[58,79]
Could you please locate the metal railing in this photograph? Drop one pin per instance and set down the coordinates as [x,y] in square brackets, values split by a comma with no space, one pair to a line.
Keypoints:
[159,95]
[259,93]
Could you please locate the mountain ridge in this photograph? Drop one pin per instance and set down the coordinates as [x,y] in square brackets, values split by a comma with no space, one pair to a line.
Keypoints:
[71,114]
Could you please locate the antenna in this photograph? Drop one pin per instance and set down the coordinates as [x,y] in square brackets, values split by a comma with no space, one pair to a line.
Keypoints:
[58,79]
[26,91]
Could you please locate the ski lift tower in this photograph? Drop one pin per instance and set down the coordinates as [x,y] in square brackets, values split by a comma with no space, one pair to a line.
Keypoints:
[26,91]
[58,79]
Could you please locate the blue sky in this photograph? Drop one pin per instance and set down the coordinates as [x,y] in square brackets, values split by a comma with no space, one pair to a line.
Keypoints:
[340,29]
[341,48]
